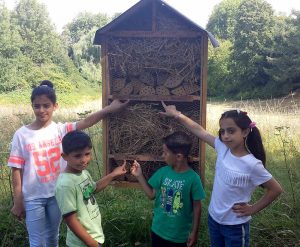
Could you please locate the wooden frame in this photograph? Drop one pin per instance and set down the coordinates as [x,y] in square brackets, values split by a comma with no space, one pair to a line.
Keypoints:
[110,31]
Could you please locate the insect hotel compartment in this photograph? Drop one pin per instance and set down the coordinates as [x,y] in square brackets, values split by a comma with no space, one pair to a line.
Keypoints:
[156,66]
[151,53]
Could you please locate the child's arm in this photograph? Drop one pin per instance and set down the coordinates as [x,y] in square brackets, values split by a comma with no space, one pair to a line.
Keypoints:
[18,207]
[94,118]
[137,172]
[194,127]
[193,237]
[273,190]
[77,228]
[104,182]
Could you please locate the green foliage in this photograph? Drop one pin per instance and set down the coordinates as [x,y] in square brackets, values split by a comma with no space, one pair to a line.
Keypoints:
[219,69]
[82,25]
[86,57]
[285,59]
[264,55]
[36,30]
[252,44]
[79,36]
[223,19]
[32,51]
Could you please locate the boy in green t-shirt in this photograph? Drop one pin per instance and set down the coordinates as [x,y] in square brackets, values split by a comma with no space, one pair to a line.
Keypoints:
[75,191]
[178,191]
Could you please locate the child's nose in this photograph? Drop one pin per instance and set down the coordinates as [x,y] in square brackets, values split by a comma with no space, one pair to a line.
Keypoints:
[225,135]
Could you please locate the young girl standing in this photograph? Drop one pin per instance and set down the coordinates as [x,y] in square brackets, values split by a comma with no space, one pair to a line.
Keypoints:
[36,162]
[240,168]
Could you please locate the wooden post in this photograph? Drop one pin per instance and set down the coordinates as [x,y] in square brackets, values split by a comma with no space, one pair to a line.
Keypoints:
[203,96]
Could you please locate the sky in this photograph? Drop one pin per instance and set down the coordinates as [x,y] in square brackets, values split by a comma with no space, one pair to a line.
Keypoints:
[64,11]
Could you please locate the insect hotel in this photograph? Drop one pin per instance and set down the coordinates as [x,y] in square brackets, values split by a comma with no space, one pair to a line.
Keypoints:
[151,53]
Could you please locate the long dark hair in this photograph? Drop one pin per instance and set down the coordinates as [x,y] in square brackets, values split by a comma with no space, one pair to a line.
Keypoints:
[253,140]
[45,88]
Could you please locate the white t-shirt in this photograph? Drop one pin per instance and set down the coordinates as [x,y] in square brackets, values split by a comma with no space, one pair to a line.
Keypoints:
[235,180]
[38,154]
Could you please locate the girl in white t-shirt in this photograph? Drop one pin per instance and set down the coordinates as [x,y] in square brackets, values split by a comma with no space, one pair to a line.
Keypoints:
[240,168]
[36,162]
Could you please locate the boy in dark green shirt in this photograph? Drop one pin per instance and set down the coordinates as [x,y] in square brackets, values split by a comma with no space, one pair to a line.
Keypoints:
[177,191]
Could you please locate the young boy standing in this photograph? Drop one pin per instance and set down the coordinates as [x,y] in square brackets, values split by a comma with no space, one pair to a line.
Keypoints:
[177,191]
[75,191]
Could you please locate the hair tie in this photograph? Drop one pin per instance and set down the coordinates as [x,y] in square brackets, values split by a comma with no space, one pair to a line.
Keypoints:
[252,125]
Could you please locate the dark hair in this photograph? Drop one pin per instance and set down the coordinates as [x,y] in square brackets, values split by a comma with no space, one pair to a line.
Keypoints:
[178,143]
[75,141]
[45,88]
[253,140]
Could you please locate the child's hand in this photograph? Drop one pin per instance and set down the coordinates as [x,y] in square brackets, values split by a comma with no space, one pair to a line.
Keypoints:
[120,170]
[192,240]
[242,209]
[170,110]
[136,169]
[18,211]
[116,106]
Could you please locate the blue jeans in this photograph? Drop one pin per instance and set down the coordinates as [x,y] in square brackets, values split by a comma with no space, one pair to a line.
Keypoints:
[228,235]
[42,222]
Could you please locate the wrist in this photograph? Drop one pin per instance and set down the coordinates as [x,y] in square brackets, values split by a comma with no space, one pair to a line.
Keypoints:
[178,115]
[107,110]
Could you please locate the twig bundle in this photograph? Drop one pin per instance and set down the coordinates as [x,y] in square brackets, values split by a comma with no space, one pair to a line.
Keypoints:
[154,62]
[140,129]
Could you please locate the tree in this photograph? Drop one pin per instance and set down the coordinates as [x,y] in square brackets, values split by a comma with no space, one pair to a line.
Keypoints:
[219,69]
[82,25]
[222,21]
[11,59]
[253,43]
[285,59]
[36,30]
[79,36]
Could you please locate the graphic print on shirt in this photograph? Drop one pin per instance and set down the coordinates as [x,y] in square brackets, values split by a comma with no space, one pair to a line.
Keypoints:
[46,158]
[88,198]
[171,196]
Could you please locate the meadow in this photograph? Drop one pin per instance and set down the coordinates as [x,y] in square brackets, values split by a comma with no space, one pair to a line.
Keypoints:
[127,213]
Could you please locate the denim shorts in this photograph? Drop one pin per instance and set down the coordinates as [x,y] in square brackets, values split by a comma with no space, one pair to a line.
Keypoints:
[228,235]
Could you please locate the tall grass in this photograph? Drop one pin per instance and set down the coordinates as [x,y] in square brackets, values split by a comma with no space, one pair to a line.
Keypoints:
[127,213]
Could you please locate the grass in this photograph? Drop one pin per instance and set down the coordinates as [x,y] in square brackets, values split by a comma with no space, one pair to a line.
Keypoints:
[126,212]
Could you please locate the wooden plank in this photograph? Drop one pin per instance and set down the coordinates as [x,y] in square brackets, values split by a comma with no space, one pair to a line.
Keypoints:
[203,102]
[149,34]
[187,98]
[105,93]
[142,157]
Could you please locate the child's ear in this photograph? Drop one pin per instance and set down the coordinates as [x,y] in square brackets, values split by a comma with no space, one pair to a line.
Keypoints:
[179,156]
[246,132]
[64,156]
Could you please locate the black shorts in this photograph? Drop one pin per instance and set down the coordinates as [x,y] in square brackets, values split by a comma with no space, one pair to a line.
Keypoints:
[157,241]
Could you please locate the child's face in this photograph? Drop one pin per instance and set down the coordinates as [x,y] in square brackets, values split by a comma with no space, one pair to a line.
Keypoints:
[168,156]
[231,134]
[43,108]
[78,160]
